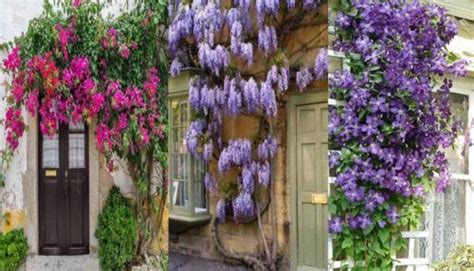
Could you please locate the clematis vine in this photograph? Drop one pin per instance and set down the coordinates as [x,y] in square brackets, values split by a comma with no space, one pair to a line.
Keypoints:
[394,125]
[225,44]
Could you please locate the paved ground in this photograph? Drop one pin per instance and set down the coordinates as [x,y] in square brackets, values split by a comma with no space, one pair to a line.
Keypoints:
[180,262]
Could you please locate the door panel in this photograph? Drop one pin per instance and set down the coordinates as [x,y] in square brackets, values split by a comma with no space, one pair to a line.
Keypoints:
[64,192]
[311,185]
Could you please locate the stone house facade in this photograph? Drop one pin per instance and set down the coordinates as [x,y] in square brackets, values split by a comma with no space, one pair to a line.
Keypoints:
[300,171]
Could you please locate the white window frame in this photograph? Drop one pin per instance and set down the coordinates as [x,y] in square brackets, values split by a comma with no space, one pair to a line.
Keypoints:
[465,86]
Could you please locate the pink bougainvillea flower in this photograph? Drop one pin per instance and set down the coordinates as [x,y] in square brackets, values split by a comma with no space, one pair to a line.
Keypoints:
[18,89]
[13,60]
[124,51]
[122,122]
[97,103]
[32,102]
[152,82]
[76,3]
[104,137]
[120,100]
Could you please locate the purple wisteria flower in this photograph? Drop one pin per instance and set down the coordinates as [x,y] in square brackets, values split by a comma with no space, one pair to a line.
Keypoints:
[210,182]
[176,67]
[207,153]
[237,153]
[321,64]
[194,132]
[303,78]
[267,149]
[264,173]
[247,179]
[267,39]
[268,99]
[243,206]
[234,101]
[251,95]
[283,79]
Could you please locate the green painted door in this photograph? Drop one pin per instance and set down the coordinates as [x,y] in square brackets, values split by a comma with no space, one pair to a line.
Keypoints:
[310,185]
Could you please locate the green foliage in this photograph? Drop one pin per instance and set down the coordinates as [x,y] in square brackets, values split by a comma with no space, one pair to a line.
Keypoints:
[462,258]
[116,232]
[13,249]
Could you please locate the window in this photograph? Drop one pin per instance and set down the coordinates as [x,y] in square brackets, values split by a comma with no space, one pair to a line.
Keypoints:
[188,196]
[447,216]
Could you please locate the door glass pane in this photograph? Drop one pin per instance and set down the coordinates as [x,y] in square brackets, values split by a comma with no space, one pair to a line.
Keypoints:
[458,157]
[50,156]
[76,127]
[77,151]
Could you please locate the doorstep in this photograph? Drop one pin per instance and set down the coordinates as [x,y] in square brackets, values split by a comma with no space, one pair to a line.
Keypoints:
[61,263]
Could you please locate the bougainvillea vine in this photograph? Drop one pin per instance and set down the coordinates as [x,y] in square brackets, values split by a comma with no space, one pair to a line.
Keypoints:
[393,126]
[75,73]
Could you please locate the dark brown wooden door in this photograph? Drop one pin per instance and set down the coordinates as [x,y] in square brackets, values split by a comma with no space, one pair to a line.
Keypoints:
[64,192]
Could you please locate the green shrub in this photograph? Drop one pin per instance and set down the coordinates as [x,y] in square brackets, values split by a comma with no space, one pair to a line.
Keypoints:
[116,232]
[462,258]
[13,249]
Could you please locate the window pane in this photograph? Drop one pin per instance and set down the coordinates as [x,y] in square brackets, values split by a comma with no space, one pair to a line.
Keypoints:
[445,220]
[199,197]
[77,151]
[458,158]
[179,194]
[50,152]
[184,112]
[178,166]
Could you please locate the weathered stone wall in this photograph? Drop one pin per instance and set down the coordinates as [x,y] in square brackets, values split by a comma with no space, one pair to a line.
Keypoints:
[245,238]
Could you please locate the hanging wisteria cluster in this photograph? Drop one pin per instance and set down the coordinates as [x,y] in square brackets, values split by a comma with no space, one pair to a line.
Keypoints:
[393,125]
[226,41]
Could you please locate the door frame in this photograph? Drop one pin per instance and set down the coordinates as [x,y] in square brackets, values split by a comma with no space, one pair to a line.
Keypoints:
[295,100]
[63,154]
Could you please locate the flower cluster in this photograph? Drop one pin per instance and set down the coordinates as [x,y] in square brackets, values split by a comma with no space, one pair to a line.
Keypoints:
[392,125]
[63,88]
[222,41]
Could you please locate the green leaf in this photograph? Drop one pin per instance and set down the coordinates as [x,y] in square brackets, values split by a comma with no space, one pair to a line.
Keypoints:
[347,243]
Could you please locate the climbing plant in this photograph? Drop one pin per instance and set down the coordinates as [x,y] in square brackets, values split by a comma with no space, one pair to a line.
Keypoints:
[392,124]
[244,64]
[73,65]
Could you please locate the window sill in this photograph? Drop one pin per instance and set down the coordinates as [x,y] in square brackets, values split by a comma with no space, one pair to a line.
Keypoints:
[180,223]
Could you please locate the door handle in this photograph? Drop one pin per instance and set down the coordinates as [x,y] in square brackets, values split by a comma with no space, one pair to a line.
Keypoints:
[66,183]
